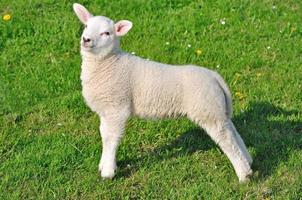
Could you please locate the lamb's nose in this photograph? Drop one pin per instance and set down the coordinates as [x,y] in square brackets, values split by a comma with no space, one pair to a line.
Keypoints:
[86,39]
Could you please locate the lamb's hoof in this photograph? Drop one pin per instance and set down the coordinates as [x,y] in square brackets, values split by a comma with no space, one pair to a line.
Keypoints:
[246,178]
[107,173]
[106,170]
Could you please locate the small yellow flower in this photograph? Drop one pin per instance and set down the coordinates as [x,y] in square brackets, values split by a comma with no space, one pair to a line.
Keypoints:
[198,52]
[258,74]
[239,95]
[7,17]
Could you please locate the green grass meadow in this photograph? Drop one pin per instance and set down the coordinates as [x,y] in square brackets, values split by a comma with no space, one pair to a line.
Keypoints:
[49,139]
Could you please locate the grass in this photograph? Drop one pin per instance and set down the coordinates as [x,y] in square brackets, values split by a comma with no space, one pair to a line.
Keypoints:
[49,140]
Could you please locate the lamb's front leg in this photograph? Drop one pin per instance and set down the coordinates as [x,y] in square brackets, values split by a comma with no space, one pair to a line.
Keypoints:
[111,128]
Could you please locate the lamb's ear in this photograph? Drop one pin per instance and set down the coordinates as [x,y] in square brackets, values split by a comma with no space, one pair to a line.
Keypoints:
[122,27]
[82,13]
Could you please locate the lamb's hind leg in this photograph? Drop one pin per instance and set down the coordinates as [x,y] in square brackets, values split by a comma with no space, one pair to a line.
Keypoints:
[241,143]
[224,134]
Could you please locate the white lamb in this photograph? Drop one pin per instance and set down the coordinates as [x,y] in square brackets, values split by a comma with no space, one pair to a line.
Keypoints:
[117,84]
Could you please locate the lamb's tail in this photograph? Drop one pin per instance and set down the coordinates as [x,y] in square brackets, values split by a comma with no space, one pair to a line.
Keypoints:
[227,94]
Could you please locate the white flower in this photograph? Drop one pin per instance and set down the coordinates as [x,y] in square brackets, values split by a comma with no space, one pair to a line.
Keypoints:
[274,7]
[167,43]
[268,47]
[189,46]
[217,66]
[222,21]
[59,124]
[133,53]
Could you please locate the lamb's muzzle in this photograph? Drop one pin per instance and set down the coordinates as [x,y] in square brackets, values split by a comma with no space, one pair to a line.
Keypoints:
[117,85]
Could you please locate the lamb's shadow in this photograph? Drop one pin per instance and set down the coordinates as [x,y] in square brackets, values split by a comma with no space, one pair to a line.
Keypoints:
[265,128]
[272,132]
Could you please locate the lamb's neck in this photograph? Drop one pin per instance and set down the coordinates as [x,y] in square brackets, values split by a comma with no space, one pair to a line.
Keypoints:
[93,59]
[94,66]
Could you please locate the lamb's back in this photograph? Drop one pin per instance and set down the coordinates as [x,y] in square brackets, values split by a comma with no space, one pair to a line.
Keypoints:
[161,90]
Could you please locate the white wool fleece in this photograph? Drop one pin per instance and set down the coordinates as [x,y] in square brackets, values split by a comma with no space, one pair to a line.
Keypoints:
[156,90]
[117,85]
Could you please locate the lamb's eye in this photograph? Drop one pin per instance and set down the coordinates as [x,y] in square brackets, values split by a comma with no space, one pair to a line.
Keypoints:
[105,33]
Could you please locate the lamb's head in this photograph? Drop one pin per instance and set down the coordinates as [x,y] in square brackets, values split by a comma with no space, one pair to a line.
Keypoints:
[101,34]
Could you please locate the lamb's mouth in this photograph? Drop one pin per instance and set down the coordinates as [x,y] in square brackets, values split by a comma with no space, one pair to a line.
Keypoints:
[87,48]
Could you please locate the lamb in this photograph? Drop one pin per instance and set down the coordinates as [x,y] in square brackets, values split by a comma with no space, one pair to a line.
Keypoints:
[116,85]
